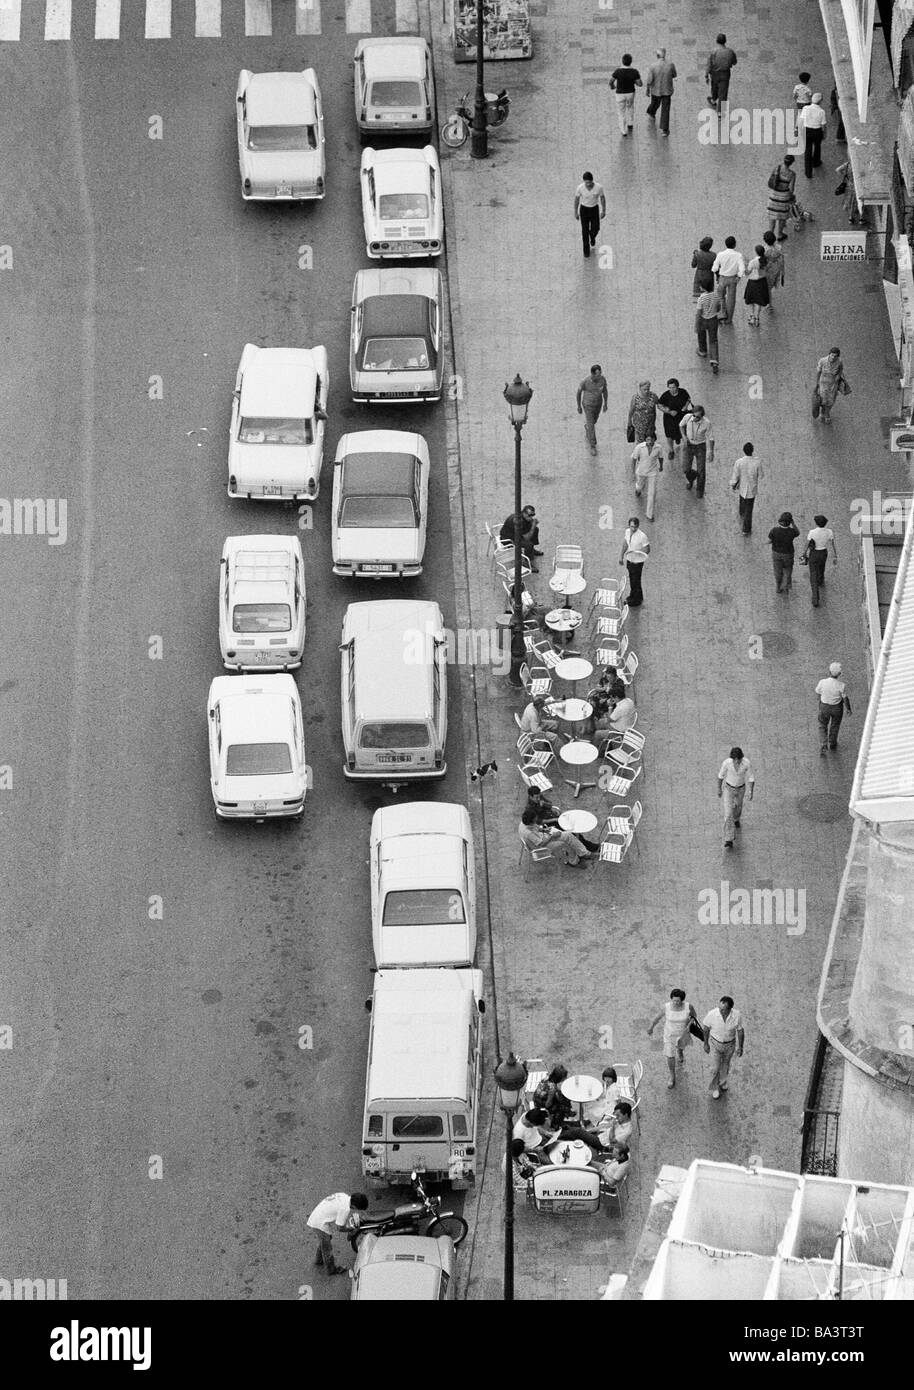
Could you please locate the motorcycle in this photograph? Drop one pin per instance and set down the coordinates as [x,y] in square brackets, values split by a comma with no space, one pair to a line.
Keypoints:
[455,131]
[422,1217]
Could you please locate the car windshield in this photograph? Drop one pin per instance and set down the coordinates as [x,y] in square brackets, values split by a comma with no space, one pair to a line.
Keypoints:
[393,93]
[393,736]
[423,907]
[417,1127]
[395,355]
[260,430]
[261,617]
[398,205]
[375,513]
[282,137]
[257,760]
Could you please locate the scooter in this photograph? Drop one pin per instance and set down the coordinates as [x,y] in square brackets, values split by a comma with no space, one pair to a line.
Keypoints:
[456,130]
[422,1217]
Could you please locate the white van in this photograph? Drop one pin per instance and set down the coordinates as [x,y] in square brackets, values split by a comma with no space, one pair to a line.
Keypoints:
[424,1071]
[393,691]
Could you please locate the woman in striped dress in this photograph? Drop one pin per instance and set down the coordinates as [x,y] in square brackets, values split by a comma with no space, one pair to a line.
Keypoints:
[781,197]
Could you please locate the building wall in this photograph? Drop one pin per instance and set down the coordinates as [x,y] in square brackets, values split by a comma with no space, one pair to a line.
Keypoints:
[876,1135]
[882,999]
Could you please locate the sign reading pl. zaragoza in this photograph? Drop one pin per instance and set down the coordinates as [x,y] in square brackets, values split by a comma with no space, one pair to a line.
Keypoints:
[34,516]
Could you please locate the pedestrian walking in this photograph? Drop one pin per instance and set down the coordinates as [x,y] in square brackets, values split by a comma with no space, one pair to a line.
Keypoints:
[745,478]
[708,313]
[848,188]
[642,414]
[782,538]
[332,1216]
[702,261]
[529,534]
[698,443]
[734,777]
[774,266]
[819,541]
[729,267]
[721,62]
[623,82]
[812,122]
[659,88]
[677,1015]
[647,458]
[589,207]
[781,193]
[757,295]
[833,701]
[674,402]
[592,397]
[724,1036]
[802,92]
[830,383]
[635,549]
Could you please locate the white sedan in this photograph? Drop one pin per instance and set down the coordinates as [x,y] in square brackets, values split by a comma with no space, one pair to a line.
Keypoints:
[423,885]
[402,209]
[262,603]
[380,504]
[396,353]
[280,136]
[256,747]
[276,438]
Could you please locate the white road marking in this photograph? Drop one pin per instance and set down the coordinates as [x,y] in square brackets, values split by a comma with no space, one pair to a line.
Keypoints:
[9,19]
[258,18]
[307,16]
[107,19]
[358,16]
[57,19]
[208,20]
[158,19]
[407,16]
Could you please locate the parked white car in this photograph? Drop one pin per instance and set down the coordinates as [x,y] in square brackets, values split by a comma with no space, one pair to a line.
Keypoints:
[397,1268]
[394,86]
[423,885]
[395,349]
[402,211]
[256,747]
[281,151]
[279,409]
[380,504]
[262,603]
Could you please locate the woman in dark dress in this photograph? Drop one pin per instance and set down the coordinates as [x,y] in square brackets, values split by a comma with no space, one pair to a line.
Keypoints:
[702,261]
[757,293]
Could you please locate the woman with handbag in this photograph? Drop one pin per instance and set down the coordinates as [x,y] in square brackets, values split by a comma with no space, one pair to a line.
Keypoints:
[642,414]
[830,383]
[678,1016]
[781,182]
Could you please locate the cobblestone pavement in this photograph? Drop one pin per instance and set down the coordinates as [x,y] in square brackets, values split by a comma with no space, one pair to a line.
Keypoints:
[580,951]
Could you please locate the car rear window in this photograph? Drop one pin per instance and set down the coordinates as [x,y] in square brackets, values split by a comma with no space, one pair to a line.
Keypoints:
[417,1127]
[393,93]
[394,736]
[282,137]
[418,907]
[376,512]
[257,760]
[262,430]
[395,355]
[402,205]
[261,617]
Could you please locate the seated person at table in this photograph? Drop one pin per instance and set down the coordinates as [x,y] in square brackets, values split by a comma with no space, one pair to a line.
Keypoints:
[523,1162]
[529,534]
[546,813]
[609,1129]
[533,1129]
[620,1127]
[600,1111]
[600,716]
[534,720]
[548,1096]
[617,1166]
[622,718]
[560,843]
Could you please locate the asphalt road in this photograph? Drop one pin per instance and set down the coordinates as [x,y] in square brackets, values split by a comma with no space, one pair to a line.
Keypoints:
[136,1036]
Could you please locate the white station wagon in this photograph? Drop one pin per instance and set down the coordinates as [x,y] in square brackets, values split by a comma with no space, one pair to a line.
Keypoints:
[276,438]
[423,885]
[394,86]
[380,504]
[402,209]
[256,747]
[262,603]
[280,136]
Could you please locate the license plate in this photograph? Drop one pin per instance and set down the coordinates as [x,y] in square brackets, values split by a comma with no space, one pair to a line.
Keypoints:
[395,758]
[260,808]
[268,658]
[404,245]
[283,190]
[270,490]
[378,569]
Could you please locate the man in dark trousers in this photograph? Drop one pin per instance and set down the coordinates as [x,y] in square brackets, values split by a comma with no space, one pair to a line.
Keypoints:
[717,73]
[529,533]
[660,89]
[589,207]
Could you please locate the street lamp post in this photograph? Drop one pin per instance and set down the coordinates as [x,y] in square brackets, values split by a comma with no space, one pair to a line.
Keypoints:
[479,141]
[518,397]
[511,1077]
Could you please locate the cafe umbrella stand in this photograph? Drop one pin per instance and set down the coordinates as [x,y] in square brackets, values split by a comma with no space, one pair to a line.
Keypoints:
[510,1077]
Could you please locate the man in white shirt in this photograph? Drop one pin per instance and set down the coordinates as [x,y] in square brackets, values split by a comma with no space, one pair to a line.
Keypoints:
[589,207]
[724,1035]
[617,1166]
[533,1129]
[334,1214]
[648,460]
[820,538]
[811,122]
[635,549]
[729,267]
[698,447]
[735,775]
[745,478]
[833,701]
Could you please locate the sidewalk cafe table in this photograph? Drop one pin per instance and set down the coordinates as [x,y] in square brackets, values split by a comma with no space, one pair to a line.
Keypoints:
[578,754]
[582,1090]
[578,822]
[568,582]
[573,1153]
[574,669]
[564,621]
[570,711]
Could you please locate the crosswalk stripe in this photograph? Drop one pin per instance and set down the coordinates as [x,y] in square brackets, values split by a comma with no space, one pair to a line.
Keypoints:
[358,16]
[10,16]
[407,16]
[57,19]
[208,19]
[307,16]
[107,19]
[258,18]
[158,19]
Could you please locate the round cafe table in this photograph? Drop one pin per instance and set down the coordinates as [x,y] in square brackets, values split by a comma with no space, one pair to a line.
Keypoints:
[578,822]
[564,621]
[582,1090]
[578,753]
[570,711]
[572,1153]
[568,583]
[574,669]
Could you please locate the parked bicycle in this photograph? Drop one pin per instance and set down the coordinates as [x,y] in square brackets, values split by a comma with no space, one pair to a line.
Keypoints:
[455,131]
[422,1217]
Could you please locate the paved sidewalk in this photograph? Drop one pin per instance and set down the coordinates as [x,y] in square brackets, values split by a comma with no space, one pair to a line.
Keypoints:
[577,951]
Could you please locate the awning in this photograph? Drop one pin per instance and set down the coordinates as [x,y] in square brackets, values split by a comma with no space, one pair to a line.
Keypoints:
[902,19]
[870,143]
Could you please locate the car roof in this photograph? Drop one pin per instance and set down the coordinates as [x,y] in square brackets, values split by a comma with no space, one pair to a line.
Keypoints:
[378,475]
[254,709]
[421,818]
[277,549]
[435,1005]
[395,316]
[404,56]
[414,861]
[401,175]
[280,98]
[381,442]
[279,381]
[405,280]
[386,632]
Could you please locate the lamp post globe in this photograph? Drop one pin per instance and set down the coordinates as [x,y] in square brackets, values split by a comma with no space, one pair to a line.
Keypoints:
[510,1077]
